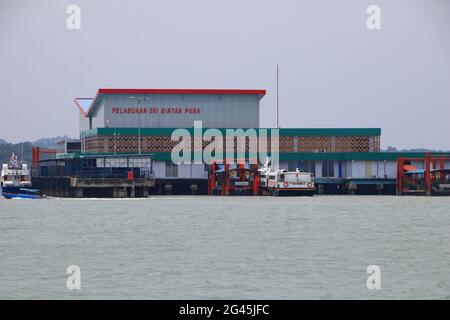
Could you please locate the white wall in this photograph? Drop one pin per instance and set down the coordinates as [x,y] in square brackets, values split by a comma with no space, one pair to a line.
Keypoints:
[198,171]
[358,169]
[336,169]
[194,171]
[159,169]
[216,111]
[319,169]
[388,168]
[353,169]
[184,171]
[391,169]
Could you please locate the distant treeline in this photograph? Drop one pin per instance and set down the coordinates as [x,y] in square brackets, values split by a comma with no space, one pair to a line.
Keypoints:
[394,149]
[23,150]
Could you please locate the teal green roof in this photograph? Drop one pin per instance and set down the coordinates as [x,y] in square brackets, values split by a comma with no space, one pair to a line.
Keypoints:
[284,132]
[336,132]
[348,156]
[338,156]
[99,154]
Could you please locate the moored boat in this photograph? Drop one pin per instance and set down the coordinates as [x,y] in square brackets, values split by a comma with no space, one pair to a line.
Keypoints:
[16,181]
[286,183]
[22,193]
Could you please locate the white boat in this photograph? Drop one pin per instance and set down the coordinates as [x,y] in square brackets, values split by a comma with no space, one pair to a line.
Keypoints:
[15,181]
[282,182]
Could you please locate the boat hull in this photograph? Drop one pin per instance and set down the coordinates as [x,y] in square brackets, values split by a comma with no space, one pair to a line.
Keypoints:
[290,192]
[21,196]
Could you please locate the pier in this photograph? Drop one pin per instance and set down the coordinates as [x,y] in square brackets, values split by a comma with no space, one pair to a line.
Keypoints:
[126,176]
[127,138]
[429,175]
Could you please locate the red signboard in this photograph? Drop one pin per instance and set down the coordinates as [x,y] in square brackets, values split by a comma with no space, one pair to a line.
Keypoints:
[153,110]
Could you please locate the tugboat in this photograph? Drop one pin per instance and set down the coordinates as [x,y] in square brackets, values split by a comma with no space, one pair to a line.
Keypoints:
[16,181]
[285,183]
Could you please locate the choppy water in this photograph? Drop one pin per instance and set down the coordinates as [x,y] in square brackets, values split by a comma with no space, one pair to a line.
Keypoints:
[226,247]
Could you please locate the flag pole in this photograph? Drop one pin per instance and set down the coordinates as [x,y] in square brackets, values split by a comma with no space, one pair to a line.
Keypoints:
[278,97]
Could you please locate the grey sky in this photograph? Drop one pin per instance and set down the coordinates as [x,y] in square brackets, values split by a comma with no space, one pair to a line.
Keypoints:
[334,71]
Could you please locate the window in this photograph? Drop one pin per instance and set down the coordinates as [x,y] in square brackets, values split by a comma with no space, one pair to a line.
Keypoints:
[72,147]
[139,162]
[307,166]
[328,168]
[171,170]
[292,165]
[113,162]
[89,163]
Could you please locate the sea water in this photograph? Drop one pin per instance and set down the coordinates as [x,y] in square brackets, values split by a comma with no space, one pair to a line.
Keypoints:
[196,247]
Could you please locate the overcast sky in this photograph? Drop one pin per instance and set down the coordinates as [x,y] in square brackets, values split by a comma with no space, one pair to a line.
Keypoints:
[334,72]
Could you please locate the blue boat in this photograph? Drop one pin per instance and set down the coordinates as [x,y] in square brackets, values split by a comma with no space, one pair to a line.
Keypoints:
[16,181]
[21,193]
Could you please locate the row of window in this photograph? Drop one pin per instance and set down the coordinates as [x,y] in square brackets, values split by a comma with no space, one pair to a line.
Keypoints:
[305,165]
[310,166]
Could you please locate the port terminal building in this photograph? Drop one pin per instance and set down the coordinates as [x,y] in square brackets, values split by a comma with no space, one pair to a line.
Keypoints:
[123,130]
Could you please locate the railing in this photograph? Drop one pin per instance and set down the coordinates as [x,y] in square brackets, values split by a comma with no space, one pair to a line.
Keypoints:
[418,184]
[113,173]
[413,183]
[440,184]
[237,184]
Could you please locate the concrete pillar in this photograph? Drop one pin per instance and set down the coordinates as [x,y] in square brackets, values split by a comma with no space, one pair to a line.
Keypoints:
[194,188]
[428,174]
[321,189]
[168,188]
[159,189]
[119,192]
[352,187]
[79,192]
[380,188]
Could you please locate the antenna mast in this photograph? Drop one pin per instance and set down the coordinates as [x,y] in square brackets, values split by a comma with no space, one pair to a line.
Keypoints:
[278,97]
